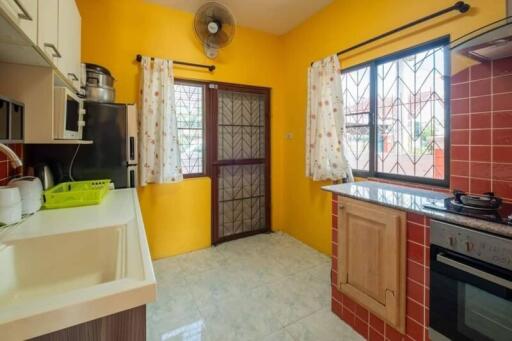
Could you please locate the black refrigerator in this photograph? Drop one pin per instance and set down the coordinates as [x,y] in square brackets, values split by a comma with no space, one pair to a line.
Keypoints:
[113,154]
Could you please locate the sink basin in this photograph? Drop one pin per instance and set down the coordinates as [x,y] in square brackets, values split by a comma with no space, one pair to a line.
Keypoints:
[61,268]
[54,264]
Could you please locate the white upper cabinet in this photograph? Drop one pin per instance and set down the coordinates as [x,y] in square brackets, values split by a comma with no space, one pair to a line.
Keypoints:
[53,29]
[48,29]
[69,41]
[24,14]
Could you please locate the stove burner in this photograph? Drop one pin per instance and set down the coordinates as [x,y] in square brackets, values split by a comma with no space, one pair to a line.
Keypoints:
[485,201]
[501,214]
[456,203]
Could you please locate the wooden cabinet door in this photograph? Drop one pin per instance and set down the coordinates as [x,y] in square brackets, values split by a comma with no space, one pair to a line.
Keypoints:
[48,29]
[371,258]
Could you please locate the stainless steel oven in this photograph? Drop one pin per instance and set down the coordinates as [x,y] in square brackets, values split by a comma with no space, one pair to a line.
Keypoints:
[470,284]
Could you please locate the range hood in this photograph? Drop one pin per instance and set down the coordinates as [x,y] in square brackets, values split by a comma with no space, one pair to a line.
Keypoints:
[493,41]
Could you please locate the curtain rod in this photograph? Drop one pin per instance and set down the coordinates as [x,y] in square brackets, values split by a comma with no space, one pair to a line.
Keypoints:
[209,67]
[460,6]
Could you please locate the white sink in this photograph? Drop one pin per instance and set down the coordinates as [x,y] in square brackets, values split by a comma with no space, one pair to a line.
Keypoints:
[60,268]
[42,266]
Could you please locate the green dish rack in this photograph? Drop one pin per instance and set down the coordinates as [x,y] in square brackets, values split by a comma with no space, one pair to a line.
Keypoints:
[76,193]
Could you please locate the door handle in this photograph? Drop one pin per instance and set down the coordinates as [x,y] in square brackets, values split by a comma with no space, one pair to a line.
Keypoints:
[474,271]
[56,52]
[73,76]
[25,15]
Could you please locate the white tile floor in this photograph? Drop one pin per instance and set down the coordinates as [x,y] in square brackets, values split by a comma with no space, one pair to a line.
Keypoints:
[267,287]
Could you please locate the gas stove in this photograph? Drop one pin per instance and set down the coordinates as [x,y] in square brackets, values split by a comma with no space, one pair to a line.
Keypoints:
[485,207]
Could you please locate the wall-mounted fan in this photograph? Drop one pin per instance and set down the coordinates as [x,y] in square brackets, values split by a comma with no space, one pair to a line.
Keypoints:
[215,27]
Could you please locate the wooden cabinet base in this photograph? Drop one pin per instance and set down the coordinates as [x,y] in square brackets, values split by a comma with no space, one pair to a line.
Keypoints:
[371,258]
[128,325]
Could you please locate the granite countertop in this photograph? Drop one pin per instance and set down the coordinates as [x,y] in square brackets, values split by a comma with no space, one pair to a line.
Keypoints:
[412,200]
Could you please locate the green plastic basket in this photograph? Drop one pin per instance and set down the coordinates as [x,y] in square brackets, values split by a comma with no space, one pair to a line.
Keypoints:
[77,193]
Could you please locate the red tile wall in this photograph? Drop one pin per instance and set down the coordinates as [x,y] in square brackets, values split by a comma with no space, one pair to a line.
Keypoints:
[6,171]
[417,290]
[481,129]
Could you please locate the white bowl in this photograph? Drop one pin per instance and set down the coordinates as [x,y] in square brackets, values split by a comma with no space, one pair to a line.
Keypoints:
[9,196]
[31,205]
[28,185]
[10,214]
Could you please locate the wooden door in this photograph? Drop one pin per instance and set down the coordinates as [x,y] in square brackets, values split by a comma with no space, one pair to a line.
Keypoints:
[371,258]
[240,161]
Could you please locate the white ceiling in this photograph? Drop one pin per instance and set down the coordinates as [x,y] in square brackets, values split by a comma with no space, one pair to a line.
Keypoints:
[273,16]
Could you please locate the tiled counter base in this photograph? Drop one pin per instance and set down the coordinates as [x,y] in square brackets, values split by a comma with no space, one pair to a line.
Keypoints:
[367,324]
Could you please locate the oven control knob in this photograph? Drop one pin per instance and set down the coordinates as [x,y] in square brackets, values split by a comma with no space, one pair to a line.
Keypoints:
[469,246]
[452,241]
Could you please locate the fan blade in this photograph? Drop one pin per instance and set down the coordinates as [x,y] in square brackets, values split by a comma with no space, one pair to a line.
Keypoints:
[221,38]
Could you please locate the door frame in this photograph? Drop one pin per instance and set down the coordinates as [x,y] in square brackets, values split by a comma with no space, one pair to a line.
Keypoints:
[213,88]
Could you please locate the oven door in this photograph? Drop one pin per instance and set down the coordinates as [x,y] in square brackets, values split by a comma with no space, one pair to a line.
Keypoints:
[469,299]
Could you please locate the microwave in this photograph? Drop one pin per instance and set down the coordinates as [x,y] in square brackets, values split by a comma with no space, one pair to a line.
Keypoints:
[68,114]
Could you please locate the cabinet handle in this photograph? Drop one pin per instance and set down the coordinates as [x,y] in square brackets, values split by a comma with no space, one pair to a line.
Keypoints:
[56,52]
[73,76]
[25,15]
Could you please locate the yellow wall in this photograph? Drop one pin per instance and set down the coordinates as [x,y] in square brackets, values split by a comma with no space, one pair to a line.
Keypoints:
[177,216]
[340,25]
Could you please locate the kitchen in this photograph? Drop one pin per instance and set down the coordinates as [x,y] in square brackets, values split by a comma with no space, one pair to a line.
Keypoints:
[215,247]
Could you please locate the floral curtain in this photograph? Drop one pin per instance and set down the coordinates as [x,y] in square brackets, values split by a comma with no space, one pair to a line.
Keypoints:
[325,126]
[159,153]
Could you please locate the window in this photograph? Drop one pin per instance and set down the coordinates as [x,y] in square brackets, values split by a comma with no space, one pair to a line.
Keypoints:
[396,115]
[190,108]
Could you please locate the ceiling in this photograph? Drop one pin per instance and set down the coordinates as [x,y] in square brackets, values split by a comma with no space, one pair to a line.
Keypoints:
[273,16]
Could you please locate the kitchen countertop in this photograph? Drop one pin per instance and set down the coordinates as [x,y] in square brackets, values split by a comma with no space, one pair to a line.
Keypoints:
[412,200]
[67,266]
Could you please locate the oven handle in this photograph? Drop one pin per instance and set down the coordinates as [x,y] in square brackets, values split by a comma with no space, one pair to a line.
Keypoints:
[474,271]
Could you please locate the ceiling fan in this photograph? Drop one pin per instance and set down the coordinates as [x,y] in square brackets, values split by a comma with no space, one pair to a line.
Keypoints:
[215,27]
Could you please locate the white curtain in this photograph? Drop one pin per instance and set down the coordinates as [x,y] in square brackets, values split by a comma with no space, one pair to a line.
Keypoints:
[159,152]
[325,126]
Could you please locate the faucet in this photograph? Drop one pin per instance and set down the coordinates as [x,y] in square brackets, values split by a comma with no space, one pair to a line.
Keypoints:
[15,160]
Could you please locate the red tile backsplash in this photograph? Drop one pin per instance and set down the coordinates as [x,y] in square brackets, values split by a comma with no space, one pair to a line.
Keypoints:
[460,153]
[502,154]
[480,104]
[480,153]
[502,137]
[461,121]
[480,170]
[480,137]
[460,168]
[480,71]
[488,123]
[480,87]
[460,106]
[502,84]
[502,119]
[480,120]
[460,137]
[502,102]
[460,90]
